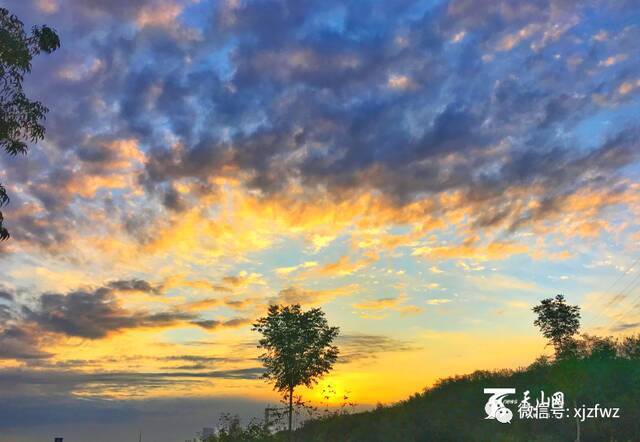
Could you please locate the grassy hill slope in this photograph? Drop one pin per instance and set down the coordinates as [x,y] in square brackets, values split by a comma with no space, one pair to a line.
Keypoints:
[453,410]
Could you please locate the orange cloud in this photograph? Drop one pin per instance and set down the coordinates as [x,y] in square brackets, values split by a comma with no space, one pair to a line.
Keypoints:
[202,304]
[344,266]
[297,295]
[397,304]
[470,250]
[162,14]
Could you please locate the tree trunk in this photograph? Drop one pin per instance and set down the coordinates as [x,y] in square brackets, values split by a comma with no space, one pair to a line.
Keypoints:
[290,413]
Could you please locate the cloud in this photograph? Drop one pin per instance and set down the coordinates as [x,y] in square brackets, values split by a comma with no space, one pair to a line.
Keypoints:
[48,6]
[285,271]
[164,419]
[94,315]
[401,82]
[202,304]
[344,266]
[188,138]
[376,304]
[266,111]
[241,304]
[207,303]
[32,323]
[625,326]
[243,279]
[134,285]
[197,358]
[180,281]
[21,342]
[358,347]
[398,304]
[212,324]
[163,14]
[470,249]
[297,295]
[438,301]
[132,384]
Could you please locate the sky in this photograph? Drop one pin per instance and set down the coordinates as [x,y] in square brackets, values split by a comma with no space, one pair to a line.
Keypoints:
[423,171]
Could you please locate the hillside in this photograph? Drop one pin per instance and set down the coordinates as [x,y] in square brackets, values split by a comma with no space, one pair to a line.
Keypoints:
[453,409]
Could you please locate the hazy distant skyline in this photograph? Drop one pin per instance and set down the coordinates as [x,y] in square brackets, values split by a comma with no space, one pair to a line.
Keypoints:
[423,171]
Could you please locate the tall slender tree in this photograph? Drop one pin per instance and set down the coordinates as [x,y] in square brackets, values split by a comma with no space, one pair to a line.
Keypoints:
[298,348]
[20,118]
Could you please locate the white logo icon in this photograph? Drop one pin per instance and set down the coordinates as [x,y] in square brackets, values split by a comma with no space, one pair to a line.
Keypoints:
[495,408]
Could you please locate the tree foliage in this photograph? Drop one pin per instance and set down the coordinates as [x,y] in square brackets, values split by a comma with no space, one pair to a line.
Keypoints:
[298,347]
[231,429]
[630,347]
[20,118]
[558,322]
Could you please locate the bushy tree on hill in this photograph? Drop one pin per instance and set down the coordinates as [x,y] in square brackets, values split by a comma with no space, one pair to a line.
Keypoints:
[558,322]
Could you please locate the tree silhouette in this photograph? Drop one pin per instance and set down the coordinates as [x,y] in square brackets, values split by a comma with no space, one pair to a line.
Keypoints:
[230,429]
[297,348]
[20,118]
[558,322]
[630,347]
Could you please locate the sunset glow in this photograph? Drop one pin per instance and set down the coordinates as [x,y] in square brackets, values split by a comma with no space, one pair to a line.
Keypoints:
[423,171]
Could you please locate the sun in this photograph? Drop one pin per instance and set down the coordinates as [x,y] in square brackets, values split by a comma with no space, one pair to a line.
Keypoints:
[331,391]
